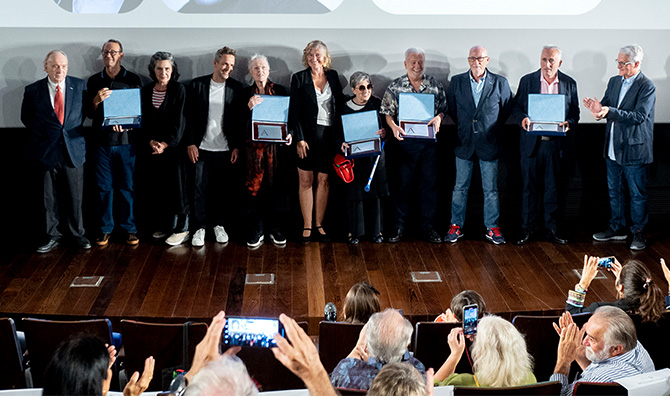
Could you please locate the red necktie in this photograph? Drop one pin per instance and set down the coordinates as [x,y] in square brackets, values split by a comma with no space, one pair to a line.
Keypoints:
[59,108]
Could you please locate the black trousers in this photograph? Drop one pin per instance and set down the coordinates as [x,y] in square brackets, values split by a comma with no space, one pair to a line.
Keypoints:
[212,188]
[62,197]
[540,174]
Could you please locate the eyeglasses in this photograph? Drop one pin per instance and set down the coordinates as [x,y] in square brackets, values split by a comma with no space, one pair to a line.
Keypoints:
[112,53]
[620,64]
[363,87]
[477,59]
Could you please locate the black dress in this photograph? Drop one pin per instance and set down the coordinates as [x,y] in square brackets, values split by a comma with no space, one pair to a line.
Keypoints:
[364,208]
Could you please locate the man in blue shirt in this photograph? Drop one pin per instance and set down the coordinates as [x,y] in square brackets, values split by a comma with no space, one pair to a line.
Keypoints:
[628,105]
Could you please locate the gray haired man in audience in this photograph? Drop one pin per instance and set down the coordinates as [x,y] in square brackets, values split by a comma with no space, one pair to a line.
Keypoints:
[606,348]
[383,340]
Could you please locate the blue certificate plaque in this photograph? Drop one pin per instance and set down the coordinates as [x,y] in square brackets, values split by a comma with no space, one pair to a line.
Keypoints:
[546,112]
[269,118]
[123,108]
[414,113]
[360,132]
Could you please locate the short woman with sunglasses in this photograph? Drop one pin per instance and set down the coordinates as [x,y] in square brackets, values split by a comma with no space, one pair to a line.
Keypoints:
[364,208]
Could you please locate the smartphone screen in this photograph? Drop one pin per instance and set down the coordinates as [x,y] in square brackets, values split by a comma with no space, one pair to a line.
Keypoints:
[252,332]
[470,314]
[606,262]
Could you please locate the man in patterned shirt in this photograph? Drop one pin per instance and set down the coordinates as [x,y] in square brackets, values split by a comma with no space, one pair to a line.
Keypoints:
[608,351]
[417,158]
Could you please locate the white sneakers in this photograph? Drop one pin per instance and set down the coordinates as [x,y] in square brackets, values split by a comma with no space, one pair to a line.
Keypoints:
[198,238]
[220,234]
[177,238]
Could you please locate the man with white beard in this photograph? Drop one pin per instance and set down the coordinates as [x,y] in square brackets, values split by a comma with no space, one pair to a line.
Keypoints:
[606,348]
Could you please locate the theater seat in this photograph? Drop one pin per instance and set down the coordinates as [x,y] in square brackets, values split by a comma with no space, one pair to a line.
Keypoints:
[536,389]
[599,389]
[11,359]
[336,341]
[432,348]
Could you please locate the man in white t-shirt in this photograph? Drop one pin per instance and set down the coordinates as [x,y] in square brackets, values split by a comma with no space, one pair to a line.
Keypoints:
[214,135]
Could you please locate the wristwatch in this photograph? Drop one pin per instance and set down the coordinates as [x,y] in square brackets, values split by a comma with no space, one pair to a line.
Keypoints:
[178,384]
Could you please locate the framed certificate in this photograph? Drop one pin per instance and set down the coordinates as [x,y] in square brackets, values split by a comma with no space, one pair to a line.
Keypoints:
[546,112]
[414,113]
[123,108]
[269,119]
[360,132]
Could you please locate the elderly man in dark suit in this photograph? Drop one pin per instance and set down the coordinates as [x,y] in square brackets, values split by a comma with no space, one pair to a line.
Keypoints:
[52,112]
[540,155]
[628,105]
[479,102]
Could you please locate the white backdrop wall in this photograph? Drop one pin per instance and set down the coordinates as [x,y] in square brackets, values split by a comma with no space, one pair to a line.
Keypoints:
[361,35]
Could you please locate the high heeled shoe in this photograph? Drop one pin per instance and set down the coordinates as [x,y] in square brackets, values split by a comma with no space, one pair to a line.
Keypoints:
[322,235]
[306,239]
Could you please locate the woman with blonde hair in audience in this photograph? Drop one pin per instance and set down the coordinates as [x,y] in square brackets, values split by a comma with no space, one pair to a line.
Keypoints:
[499,357]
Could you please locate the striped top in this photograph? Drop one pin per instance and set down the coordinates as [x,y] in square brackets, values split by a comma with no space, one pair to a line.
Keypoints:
[633,362]
[157,97]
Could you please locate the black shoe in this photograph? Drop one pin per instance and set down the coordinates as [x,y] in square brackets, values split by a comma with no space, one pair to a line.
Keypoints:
[53,243]
[322,235]
[102,240]
[308,238]
[639,241]
[396,236]
[83,243]
[277,238]
[554,238]
[432,237]
[525,237]
[255,240]
[610,234]
[354,240]
[378,239]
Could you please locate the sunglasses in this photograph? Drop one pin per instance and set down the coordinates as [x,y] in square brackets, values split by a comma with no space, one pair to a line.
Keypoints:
[363,87]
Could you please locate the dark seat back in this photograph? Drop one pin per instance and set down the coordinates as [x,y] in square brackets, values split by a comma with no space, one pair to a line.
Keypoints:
[267,371]
[599,389]
[536,389]
[11,359]
[432,348]
[165,342]
[44,336]
[651,336]
[336,341]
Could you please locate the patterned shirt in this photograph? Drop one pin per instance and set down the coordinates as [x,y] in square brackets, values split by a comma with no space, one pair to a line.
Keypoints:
[633,362]
[429,85]
[351,373]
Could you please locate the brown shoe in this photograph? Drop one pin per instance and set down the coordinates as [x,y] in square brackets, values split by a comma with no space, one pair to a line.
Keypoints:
[132,239]
[102,240]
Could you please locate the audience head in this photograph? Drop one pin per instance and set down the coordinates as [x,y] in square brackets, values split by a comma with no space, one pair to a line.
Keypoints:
[316,55]
[610,332]
[162,61]
[55,65]
[79,367]
[388,335]
[398,379]
[415,60]
[636,285]
[360,303]
[478,58]
[464,298]
[224,63]
[226,376]
[499,354]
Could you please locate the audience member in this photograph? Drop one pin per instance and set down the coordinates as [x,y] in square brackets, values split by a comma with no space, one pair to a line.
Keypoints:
[636,291]
[82,366]
[361,302]
[398,379]
[666,274]
[606,349]
[383,340]
[455,313]
[226,376]
[499,357]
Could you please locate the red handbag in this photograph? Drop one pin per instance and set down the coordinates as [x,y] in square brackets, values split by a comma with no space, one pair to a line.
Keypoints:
[344,168]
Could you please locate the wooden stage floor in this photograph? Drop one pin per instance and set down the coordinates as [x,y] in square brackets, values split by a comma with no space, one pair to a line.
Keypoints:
[160,283]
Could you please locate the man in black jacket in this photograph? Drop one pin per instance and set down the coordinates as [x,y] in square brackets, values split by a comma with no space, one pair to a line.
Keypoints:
[214,135]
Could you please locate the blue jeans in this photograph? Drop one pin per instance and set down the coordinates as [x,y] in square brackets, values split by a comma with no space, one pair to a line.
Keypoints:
[115,170]
[459,200]
[636,177]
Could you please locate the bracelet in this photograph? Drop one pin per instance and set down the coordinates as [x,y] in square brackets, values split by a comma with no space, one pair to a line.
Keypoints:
[576,298]
[578,288]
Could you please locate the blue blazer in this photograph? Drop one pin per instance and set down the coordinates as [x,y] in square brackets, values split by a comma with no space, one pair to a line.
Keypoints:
[530,84]
[478,126]
[47,135]
[633,120]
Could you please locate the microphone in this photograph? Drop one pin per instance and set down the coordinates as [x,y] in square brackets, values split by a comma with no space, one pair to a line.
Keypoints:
[330,312]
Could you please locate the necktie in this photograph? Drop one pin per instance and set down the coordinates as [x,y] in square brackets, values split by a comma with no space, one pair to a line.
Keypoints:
[59,108]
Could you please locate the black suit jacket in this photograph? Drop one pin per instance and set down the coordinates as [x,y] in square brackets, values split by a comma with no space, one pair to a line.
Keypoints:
[304,109]
[165,124]
[530,84]
[197,111]
[47,135]
[478,126]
